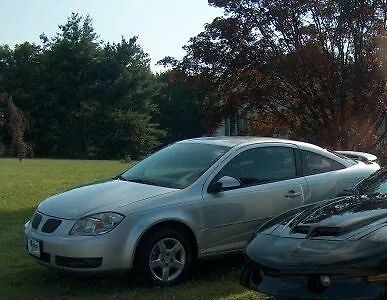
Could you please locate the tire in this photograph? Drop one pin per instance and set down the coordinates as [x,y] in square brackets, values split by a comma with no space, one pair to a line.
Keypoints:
[164,257]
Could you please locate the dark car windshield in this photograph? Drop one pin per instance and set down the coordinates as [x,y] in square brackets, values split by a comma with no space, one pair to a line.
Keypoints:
[374,184]
[176,166]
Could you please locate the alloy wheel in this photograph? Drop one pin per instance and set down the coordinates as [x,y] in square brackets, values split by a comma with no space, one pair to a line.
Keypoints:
[167,259]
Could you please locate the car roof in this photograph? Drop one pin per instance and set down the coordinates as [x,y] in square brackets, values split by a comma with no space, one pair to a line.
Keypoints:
[242,141]
[232,141]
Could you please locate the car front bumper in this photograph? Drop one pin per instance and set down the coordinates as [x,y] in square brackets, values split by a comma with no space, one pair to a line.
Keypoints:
[299,287]
[90,254]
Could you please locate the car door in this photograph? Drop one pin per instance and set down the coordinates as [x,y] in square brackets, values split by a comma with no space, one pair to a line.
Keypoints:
[325,176]
[271,183]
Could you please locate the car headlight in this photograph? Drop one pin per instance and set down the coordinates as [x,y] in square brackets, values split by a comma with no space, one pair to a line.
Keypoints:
[96,224]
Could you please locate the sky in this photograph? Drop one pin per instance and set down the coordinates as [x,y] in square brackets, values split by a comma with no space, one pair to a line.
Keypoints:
[163,26]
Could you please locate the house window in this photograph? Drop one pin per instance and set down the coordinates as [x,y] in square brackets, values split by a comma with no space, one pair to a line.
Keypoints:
[234,126]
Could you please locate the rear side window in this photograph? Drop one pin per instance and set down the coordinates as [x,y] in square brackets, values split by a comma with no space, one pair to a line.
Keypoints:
[262,165]
[313,163]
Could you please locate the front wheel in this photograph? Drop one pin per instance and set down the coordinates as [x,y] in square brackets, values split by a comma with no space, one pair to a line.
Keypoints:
[165,257]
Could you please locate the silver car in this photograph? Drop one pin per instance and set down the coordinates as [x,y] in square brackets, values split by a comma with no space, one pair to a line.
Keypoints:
[196,198]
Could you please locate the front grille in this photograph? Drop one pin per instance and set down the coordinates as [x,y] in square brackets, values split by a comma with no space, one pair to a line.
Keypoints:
[74,262]
[51,225]
[36,220]
[44,257]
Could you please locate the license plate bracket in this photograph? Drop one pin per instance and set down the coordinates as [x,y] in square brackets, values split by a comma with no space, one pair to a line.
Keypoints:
[34,247]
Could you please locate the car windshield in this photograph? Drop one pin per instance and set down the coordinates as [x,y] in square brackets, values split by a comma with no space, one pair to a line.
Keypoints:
[176,166]
[375,184]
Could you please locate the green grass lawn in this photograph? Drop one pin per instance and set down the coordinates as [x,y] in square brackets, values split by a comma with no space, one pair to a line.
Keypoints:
[24,185]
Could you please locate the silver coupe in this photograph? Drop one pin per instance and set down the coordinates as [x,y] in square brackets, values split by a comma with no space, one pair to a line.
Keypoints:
[193,199]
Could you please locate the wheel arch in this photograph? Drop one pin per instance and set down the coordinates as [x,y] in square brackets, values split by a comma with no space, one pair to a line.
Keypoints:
[170,223]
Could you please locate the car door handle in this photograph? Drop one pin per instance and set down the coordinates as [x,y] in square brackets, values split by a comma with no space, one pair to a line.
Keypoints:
[292,194]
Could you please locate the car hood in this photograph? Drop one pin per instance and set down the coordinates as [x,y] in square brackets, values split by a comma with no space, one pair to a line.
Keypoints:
[313,256]
[98,197]
[343,235]
[337,219]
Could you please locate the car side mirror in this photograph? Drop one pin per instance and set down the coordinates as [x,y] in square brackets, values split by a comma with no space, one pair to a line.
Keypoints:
[224,183]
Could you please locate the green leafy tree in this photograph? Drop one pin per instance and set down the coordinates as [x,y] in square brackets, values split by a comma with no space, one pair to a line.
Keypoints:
[178,109]
[80,94]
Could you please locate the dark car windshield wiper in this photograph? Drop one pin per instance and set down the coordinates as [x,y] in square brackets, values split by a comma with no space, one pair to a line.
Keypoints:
[374,194]
[349,192]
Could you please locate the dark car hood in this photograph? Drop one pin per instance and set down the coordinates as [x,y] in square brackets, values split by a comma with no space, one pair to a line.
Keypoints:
[343,235]
[337,219]
[303,256]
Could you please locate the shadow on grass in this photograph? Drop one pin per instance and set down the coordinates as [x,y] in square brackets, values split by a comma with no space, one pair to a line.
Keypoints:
[204,271]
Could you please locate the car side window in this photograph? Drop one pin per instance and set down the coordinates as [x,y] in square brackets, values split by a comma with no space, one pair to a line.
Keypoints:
[261,165]
[313,163]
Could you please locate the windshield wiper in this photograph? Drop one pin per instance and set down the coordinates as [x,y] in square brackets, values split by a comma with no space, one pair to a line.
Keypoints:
[136,180]
[374,194]
[349,192]
[142,181]
[120,177]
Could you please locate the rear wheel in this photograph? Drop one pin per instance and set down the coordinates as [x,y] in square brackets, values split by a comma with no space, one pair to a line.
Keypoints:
[165,257]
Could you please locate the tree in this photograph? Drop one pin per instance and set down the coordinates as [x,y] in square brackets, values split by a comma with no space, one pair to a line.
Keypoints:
[178,109]
[13,126]
[315,69]
[78,92]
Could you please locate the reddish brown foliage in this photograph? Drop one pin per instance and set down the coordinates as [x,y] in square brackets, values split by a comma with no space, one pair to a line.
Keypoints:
[314,69]
[16,125]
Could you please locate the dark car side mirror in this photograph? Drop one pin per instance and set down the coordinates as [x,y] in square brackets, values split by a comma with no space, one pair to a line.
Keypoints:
[224,183]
